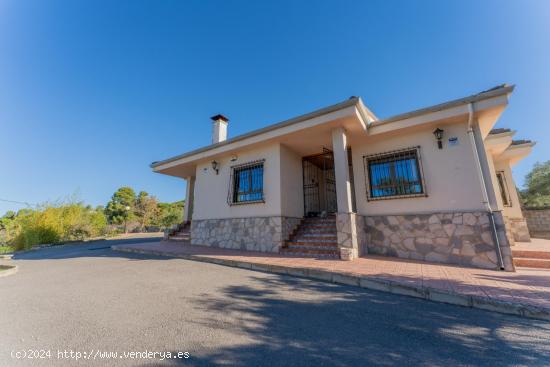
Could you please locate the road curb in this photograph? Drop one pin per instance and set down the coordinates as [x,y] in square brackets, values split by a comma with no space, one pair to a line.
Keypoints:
[377,284]
[11,269]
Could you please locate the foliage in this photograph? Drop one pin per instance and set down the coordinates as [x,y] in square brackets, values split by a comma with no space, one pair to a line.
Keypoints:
[120,208]
[146,209]
[52,224]
[6,249]
[170,214]
[537,183]
[141,211]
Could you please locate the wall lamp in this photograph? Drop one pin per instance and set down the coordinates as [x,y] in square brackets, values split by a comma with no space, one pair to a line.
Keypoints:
[216,166]
[439,135]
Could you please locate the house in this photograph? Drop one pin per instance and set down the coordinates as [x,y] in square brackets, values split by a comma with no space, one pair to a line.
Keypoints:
[433,184]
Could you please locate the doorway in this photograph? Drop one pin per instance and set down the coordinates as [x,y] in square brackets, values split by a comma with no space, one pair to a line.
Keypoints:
[319,184]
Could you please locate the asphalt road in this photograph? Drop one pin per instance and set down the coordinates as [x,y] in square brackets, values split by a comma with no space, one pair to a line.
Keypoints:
[87,298]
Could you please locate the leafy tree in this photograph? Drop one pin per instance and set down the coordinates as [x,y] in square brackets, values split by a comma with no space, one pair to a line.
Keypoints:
[146,209]
[6,219]
[120,208]
[170,213]
[537,182]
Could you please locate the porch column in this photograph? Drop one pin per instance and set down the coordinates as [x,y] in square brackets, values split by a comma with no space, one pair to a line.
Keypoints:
[346,225]
[189,196]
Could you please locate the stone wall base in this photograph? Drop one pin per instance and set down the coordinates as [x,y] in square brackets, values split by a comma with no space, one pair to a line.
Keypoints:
[346,235]
[265,234]
[538,221]
[519,229]
[462,238]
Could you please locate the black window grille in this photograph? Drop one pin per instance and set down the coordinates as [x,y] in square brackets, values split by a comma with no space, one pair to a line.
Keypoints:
[394,174]
[501,178]
[248,183]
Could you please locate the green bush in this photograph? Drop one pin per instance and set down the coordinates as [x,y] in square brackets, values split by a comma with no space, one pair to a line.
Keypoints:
[56,223]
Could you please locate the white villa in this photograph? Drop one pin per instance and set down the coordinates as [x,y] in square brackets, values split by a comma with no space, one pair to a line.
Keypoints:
[433,184]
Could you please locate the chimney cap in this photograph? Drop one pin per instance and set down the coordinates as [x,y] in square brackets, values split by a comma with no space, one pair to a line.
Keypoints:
[219,117]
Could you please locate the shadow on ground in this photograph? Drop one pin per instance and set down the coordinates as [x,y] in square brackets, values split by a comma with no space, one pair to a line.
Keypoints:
[329,325]
[86,249]
[277,320]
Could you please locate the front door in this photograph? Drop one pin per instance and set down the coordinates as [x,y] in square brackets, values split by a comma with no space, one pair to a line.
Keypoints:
[319,184]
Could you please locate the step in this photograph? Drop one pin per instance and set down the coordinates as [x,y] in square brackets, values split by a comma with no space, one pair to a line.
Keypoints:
[532,254]
[309,251]
[316,229]
[322,225]
[312,248]
[315,237]
[532,263]
[322,221]
[313,240]
[325,235]
[311,243]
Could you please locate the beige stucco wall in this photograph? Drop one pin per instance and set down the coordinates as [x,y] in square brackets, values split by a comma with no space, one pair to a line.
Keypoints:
[291,179]
[211,190]
[450,175]
[451,179]
[513,211]
[283,189]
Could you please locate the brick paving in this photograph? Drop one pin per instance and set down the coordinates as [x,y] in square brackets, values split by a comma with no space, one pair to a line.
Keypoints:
[528,287]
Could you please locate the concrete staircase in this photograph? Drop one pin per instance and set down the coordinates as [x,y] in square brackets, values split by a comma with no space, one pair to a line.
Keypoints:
[314,237]
[531,259]
[182,233]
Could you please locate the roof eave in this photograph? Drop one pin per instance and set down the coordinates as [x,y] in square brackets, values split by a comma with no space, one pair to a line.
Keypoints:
[446,105]
[354,101]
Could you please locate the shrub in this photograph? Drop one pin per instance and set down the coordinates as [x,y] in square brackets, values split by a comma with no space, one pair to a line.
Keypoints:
[57,223]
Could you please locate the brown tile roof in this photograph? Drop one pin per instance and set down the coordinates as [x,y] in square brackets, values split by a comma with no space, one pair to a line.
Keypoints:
[521,141]
[499,131]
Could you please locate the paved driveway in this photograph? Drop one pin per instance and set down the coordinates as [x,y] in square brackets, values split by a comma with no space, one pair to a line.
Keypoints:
[89,298]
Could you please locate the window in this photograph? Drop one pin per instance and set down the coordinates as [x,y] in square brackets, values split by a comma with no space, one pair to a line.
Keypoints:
[501,179]
[248,183]
[394,175]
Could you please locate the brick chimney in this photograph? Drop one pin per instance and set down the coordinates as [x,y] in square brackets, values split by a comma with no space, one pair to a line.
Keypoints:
[219,128]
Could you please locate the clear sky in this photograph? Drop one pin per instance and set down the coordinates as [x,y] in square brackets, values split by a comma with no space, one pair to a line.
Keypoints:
[91,92]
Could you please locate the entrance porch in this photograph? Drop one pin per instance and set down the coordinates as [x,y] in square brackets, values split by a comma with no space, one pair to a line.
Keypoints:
[313,185]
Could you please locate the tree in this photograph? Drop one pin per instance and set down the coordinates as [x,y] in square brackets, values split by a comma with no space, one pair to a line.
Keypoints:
[146,209]
[6,219]
[170,213]
[120,208]
[537,183]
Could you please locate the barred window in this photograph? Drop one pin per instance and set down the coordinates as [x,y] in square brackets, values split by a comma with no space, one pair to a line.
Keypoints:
[394,174]
[501,178]
[248,183]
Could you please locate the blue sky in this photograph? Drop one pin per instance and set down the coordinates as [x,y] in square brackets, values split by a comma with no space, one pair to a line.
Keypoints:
[91,92]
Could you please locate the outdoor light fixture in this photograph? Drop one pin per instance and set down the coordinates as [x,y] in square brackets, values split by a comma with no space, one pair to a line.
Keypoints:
[215,166]
[439,135]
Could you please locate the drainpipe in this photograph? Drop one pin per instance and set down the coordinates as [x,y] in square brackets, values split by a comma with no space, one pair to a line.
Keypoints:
[485,195]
